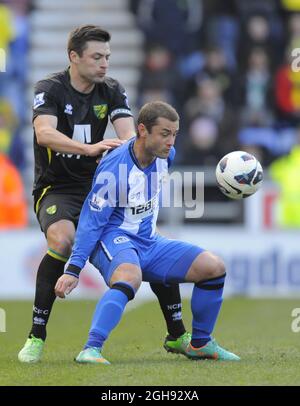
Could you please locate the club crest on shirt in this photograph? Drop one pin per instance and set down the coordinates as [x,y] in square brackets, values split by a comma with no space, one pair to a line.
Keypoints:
[121,240]
[52,209]
[100,111]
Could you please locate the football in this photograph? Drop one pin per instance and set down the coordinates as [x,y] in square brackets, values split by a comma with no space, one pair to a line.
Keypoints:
[239,175]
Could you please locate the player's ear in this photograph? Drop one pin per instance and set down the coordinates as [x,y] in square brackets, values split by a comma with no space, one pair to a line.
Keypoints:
[142,130]
[74,57]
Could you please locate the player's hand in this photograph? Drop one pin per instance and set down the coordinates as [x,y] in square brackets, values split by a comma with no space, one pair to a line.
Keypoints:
[65,284]
[102,146]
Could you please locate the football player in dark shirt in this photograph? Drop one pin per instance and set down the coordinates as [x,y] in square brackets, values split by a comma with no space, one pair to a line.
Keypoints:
[70,116]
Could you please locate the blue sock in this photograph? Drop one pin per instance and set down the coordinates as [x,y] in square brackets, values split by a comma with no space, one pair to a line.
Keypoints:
[107,315]
[206,303]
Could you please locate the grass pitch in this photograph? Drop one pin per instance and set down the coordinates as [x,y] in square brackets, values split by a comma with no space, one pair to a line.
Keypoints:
[259,331]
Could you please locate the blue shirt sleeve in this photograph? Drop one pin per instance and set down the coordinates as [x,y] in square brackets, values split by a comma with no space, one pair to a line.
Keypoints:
[95,213]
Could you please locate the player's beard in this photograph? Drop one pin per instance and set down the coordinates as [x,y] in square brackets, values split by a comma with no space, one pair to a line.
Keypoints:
[97,79]
[163,154]
[93,79]
[158,152]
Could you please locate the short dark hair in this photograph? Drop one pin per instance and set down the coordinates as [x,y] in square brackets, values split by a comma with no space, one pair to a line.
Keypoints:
[81,35]
[151,112]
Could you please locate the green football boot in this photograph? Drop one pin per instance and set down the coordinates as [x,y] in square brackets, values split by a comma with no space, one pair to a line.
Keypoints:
[211,350]
[91,355]
[177,345]
[32,350]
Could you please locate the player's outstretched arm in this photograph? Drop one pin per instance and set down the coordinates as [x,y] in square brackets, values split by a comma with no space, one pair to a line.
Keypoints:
[48,136]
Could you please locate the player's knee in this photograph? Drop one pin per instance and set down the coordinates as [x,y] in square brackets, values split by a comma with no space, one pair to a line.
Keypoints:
[62,245]
[209,267]
[219,267]
[134,279]
[60,242]
[129,274]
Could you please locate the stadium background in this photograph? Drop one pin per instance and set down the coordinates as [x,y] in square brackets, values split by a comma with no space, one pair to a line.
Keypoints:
[227,68]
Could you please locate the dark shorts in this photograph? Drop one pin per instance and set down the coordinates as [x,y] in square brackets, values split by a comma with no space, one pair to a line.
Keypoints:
[53,207]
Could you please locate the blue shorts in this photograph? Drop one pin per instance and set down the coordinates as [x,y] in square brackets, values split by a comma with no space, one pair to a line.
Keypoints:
[162,260]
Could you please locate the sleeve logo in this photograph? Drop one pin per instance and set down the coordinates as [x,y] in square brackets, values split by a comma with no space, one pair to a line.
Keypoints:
[38,100]
[96,203]
[126,101]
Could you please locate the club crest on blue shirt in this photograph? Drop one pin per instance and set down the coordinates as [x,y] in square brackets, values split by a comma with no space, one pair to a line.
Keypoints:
[121,240]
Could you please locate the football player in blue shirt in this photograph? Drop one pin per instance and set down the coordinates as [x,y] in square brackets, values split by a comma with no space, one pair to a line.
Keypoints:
[116,232]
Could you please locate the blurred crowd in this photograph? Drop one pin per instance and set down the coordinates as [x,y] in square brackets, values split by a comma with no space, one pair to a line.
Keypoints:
[226,66]
[14,40]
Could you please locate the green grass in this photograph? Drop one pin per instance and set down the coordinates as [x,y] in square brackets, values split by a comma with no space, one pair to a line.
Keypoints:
[257,330]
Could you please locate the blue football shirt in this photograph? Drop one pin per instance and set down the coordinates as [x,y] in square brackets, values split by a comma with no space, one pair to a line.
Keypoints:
[124,196]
